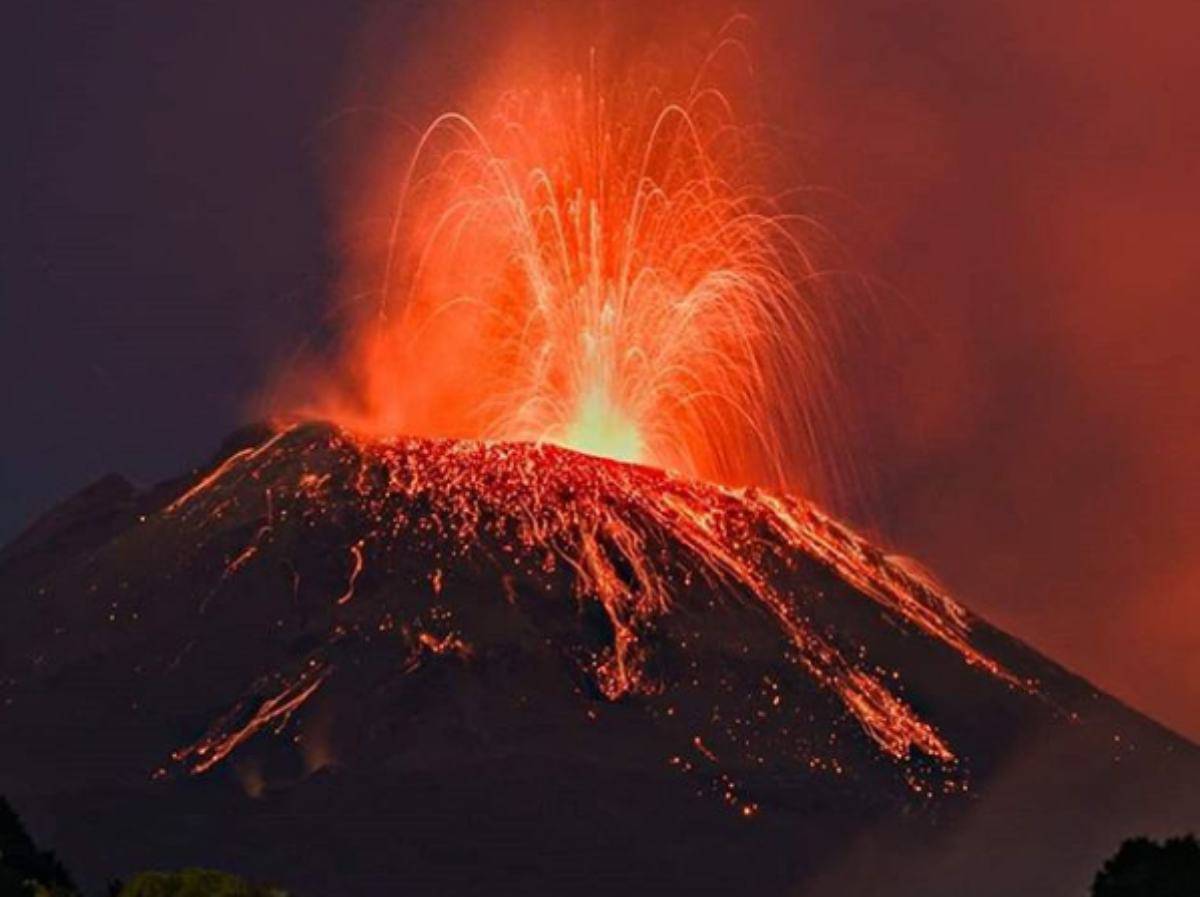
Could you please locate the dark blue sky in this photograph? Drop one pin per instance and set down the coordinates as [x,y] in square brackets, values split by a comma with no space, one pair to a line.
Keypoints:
[164,234]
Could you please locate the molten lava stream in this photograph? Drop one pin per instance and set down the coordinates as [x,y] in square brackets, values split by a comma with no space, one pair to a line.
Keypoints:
[631,536]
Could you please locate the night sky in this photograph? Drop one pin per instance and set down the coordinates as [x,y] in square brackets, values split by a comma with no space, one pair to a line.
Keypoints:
[1024,175]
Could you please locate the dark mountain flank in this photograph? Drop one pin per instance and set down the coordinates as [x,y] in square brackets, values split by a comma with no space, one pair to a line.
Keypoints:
[423,667]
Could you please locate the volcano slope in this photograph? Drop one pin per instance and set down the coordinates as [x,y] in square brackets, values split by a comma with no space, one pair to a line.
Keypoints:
[420,667]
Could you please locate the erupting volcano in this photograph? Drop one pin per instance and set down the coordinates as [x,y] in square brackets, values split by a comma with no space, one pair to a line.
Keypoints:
[522,595]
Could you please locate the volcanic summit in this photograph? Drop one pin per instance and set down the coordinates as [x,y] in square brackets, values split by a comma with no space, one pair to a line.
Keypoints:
[431,666]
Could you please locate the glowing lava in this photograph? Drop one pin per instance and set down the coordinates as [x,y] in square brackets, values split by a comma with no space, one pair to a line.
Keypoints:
[644,545]
[599,429]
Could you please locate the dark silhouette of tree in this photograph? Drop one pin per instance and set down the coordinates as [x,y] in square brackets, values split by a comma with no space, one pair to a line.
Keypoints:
[25,870]
[1145,868]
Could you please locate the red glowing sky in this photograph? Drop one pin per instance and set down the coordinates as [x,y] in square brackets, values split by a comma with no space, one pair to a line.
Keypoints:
[1036,436]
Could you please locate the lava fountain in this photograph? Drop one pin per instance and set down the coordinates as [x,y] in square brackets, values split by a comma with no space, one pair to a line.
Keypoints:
[590,263]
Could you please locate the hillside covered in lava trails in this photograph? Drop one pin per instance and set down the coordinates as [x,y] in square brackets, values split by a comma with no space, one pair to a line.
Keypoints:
[417,667]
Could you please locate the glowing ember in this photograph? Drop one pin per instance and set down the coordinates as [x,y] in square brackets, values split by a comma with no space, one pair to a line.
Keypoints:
[635,540]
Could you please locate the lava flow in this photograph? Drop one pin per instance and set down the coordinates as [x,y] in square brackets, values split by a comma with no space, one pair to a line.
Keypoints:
[644,545]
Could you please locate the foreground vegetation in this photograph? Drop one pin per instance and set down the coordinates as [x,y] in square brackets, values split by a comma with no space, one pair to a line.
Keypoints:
[27,871]
[1140,868]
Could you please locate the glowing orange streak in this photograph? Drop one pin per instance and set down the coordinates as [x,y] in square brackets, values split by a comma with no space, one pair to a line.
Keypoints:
[246,454]
[247,554]
[892,724]
[242,559]
[356,567]
[888,720]
[218,745]
[208,479]
[447,644]
[883,580]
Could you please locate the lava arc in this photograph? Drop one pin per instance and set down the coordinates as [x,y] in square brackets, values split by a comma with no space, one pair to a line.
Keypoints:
[591,262]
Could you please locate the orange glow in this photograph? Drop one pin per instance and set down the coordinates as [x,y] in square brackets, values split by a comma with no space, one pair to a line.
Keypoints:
[589,262]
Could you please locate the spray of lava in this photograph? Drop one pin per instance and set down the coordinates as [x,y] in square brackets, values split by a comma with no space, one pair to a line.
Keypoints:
[589,263]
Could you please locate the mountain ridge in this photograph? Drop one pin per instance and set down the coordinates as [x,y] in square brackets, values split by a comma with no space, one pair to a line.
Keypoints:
[328,667]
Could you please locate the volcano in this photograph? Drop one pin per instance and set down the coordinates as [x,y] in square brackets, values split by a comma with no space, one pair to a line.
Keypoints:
[428,666]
